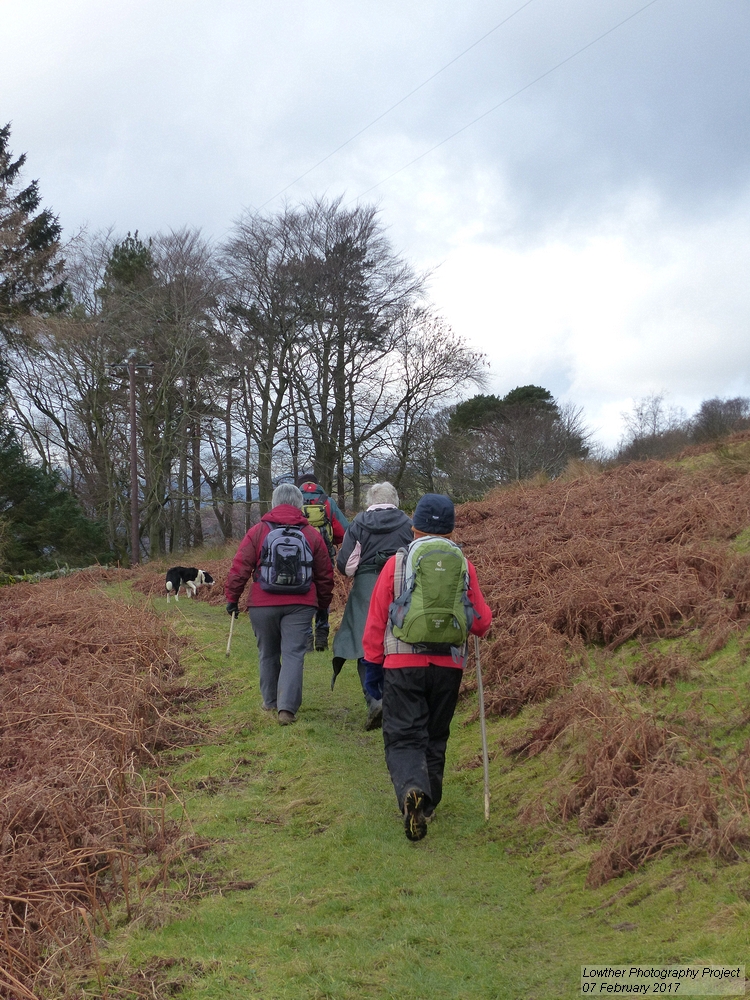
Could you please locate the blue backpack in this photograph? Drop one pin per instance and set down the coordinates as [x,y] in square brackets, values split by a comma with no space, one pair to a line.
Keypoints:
[286,561]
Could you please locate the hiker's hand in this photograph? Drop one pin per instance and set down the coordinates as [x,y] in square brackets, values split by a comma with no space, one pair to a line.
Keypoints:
[232,609]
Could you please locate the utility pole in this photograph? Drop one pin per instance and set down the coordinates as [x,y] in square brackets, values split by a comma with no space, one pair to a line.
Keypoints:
[131,367]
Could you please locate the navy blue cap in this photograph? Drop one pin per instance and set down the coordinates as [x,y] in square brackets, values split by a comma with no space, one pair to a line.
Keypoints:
[308,477]
[435,514]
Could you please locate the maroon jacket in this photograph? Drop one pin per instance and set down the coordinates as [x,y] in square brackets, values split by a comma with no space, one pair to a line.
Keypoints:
[247,558]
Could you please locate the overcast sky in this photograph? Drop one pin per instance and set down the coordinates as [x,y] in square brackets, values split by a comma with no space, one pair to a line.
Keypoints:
[590,233]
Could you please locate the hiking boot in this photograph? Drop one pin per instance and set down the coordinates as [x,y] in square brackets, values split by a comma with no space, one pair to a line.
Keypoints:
[287,718]
[415,824]
[374,716]
[321,643]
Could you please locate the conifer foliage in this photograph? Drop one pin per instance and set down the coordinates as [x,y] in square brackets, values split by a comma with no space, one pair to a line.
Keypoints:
[30,261]
[41,523]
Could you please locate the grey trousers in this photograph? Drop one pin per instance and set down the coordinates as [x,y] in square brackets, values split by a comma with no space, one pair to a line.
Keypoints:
[281,634]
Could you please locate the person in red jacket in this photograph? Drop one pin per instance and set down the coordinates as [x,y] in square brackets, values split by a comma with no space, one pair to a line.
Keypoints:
[314,496]
[280,620]
[420,690]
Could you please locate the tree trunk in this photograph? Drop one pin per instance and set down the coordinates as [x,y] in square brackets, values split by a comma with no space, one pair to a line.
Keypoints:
[195,483]
[178,537]
[229,489]
[265,482]
[356,479]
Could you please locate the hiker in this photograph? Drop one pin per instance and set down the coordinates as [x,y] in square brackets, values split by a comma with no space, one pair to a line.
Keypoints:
[431,590]
[373,536]
[292,577]
[323,514]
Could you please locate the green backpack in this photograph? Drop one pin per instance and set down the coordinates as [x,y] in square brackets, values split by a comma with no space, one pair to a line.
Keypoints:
[316,513]
[432,607]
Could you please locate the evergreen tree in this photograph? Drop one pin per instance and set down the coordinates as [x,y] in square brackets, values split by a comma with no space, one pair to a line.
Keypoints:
[490,441]
[533,397]
[30,263]
[131,264]
[475,413]
[484,411]
[43,525]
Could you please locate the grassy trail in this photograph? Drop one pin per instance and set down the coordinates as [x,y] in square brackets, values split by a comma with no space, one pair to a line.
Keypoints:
[343,906]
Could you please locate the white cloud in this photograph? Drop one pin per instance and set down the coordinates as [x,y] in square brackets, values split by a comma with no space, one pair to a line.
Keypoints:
[645,304]
[591,235]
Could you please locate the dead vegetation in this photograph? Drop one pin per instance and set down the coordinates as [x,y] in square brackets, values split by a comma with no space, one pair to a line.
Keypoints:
[655,669]
[86,690]
[638,785]
[639,551]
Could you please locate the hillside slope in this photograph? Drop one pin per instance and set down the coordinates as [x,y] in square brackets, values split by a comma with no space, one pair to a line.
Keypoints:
[615,596]
[619,690]
[639,551]
[622,601]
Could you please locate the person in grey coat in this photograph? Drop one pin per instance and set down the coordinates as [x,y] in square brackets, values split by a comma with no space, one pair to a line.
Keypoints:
[371,539]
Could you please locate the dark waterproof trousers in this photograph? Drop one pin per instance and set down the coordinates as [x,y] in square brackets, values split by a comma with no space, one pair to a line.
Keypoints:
[322,625]
[418,705]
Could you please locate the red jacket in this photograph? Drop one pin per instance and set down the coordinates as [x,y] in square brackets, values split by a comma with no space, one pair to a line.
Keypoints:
[247,558]
[377,620]
[313,493]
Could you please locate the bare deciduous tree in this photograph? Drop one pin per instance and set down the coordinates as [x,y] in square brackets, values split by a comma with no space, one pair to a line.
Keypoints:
[352,288]
[718,417]
[653,429]
[433,365]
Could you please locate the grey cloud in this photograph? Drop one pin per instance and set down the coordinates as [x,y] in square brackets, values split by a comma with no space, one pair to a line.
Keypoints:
[221,107]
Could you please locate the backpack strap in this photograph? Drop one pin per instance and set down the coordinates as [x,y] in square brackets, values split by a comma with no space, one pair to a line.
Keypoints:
[399,573]
[261,543]
[392,645]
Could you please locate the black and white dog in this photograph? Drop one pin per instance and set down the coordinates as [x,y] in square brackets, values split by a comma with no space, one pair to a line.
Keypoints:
[187,577]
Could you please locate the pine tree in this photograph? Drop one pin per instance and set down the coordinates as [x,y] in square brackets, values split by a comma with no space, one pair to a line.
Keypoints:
[41,523]
[30,262]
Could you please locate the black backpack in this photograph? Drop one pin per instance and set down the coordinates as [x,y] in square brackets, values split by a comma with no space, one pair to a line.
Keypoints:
[286,561]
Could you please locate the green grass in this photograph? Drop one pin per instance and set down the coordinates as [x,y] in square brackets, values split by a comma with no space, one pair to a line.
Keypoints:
[343,906]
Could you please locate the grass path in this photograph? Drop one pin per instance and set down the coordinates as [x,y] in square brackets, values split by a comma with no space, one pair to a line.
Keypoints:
[343,906]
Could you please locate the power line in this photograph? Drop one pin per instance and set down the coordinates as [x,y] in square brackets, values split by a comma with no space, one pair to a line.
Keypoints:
[393,106]
[505,100]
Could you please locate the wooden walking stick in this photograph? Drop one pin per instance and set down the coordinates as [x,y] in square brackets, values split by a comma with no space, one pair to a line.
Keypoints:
[229,640]
[483,727]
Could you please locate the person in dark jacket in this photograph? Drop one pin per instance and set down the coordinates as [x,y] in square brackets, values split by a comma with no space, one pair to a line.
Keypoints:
[333,534]
[280,620]
[372,537]
[420,689]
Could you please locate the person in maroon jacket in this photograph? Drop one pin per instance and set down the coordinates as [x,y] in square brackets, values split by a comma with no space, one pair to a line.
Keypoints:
[280,620]
[420,690]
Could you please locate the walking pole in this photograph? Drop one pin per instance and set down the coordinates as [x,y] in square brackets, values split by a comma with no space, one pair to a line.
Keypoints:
[485,758]
[229,640]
